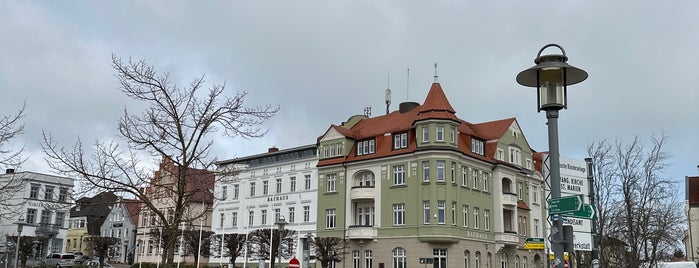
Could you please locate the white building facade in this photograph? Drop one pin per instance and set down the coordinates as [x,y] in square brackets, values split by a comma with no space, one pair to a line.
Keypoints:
[42,203]
[266,186]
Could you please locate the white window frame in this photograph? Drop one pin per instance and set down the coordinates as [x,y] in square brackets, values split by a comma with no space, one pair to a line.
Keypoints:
[465,213]
[330,183]
[441,212]
[440,133]
[398,175]
[330,218]
[440,170]
[425,134]
[398,214]
[426,212]
[425,171]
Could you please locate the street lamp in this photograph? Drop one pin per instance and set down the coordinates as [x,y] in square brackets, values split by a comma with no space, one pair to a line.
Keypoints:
[551,76]
[20,225]
[281,222]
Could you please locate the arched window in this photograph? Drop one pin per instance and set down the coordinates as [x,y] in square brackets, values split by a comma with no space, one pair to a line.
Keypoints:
[399,260]
[466,259]
[503,260]
[477,260]
[364,179]
[507,186]
[517,261]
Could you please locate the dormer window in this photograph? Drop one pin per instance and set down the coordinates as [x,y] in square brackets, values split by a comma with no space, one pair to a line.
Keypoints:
[330,150]
[515,156]
[477,146]
[425,134]
[400,141]
[366,147]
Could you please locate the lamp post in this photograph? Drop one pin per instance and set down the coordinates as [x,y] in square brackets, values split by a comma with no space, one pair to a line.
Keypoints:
[281,222]
[551,76]
[20,225]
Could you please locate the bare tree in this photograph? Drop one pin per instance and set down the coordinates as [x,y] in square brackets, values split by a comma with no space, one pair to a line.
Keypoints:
[637,205]
[100,247]
[329,250]
[11,126]
[282,243]
[191,240]
[234,244]
[176,126]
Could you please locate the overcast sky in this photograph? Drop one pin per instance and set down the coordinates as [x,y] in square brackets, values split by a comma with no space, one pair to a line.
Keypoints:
[323,61]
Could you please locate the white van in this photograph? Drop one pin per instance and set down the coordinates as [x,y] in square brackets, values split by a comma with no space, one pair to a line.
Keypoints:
[60,260]
[677,264]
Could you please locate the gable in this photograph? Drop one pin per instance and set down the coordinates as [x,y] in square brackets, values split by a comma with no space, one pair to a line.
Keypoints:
[332,134]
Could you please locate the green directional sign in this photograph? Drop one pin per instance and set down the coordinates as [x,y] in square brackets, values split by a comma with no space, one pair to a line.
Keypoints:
[587,212]
[565,204]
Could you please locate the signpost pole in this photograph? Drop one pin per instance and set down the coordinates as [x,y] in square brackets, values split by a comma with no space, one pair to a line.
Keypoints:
[593,229]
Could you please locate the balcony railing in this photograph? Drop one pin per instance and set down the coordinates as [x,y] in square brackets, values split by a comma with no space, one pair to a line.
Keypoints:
[361,232]
[46,230]
[362,192]
[508,199]
[508,238]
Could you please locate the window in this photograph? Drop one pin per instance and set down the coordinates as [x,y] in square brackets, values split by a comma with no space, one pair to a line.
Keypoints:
[523,225]
[440,258]
[520,191]
[453,213]
[223,218]
[464,176]
[31,215]
[264,217]
[279,185]
[332,150]
[366,147]
[365,179]
[356,259]
[486,219]
[293,167]
[441,206]
[466,259]
[400,141]
[330,183]
[330,218]
[292,215]
[277,213]
[63,194]
[453,172]
[292,184]
[503,260]
[398,175]
[477,146]
[307,183]
[425,171]
[476,223]
[536,227]
[440,133]
[465,212]
[425,134]
[477,260]
[486,181]
[530,165]
[252,188]
[517,261]
[236,191]
[234,219]
[368,259]
[224,192]
[45,217]
[453,134]
[500,155]
[48,193]
[515,156]
[364,215]
[265,187]
[475,179]
[306,213]
[440,171]
[60,219]
[34,191]
[399,259]
[398,214]
[426,216]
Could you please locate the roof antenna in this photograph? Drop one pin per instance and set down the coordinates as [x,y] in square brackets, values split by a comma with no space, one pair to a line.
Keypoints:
[367,111]
[407,85]
[435,72]
[388,93]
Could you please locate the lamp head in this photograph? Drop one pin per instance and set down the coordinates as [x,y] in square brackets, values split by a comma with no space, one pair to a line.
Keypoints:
[551,76]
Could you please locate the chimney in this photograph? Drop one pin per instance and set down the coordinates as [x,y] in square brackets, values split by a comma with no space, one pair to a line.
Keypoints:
[405,107]
[272,149]
[9,171]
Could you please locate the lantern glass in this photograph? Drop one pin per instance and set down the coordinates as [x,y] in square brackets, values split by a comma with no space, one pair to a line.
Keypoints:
[552,88]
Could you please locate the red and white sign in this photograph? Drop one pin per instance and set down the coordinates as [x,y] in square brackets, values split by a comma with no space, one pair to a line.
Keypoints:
[294,263]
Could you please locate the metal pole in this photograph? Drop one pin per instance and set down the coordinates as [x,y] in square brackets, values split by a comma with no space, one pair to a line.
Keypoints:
[591,181]
[19,237]
[201,229]
[554,159]
[220,261]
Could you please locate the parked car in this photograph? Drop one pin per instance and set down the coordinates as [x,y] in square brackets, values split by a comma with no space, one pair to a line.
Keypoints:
[60,260]
[80,258]
[96,264]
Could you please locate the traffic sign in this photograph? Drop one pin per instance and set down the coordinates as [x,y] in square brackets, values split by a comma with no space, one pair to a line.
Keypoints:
[534,243]
[565,204]
[294,263]
[587,212]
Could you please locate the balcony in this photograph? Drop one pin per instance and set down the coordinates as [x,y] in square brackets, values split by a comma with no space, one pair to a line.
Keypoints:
[362,192]
[46,230]
[507,238]
[508,199]
[361,232]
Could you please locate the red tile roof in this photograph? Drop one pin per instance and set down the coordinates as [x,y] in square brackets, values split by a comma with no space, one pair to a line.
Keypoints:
[133,206]
[522,205]
[435,106]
